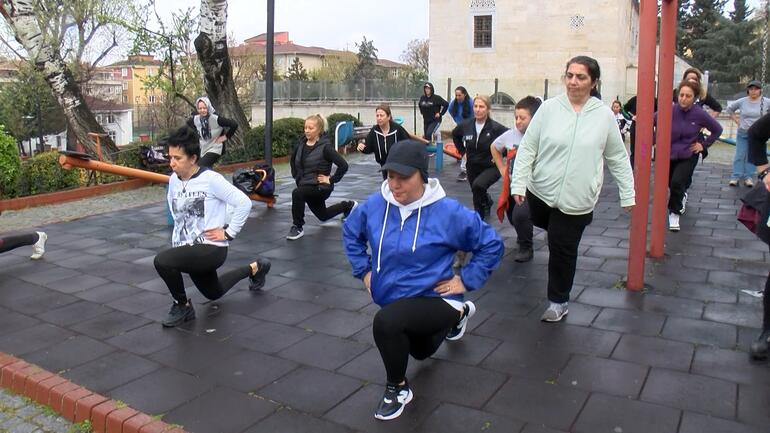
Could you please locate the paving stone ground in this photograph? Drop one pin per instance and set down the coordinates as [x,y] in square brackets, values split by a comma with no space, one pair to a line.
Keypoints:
[19,415]
[299,356]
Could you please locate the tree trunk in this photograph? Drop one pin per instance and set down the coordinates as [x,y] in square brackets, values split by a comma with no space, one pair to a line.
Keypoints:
[19,14]
[211,46]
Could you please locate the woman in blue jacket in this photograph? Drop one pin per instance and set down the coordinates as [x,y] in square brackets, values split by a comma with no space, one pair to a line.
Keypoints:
[409,272]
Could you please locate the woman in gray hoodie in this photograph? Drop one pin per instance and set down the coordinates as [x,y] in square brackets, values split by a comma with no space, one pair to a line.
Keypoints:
[213,130]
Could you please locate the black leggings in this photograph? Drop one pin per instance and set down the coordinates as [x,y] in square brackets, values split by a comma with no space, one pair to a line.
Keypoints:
[201,261]
[480,179]
[209,159]
[429,126]
[315,196]
[12,242]
[411,326]
[564,234]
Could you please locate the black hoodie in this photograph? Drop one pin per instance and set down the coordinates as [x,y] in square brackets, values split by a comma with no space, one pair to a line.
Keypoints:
[379,143]
[430,105]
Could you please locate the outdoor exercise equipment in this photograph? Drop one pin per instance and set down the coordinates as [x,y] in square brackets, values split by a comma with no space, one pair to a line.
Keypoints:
[70,159]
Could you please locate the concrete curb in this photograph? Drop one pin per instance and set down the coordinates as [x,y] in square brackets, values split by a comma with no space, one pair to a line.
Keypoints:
[75,403]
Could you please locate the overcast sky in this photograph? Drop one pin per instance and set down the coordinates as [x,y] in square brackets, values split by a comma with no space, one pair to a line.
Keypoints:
[336,24]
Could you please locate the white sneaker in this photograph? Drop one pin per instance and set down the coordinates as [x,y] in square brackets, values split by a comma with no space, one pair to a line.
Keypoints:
[555,312]
[684,204]
[673,222]
[38,249]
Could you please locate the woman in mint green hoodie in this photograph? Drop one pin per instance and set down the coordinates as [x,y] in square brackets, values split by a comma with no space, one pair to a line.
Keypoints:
[559,170]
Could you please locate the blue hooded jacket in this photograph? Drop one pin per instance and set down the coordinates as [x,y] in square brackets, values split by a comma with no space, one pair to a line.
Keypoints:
[413,246]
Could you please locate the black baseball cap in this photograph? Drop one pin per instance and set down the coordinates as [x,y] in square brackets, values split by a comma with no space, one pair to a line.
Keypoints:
[406,157]
[754,83]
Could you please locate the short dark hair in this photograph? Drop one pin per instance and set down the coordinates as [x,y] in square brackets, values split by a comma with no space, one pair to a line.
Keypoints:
[187,139]
[529,103]
[593,71]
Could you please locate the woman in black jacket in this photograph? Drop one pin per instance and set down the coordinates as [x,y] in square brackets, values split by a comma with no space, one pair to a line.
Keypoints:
[311,166]
[432,107]
[474,137]
[758,134]
[383,135]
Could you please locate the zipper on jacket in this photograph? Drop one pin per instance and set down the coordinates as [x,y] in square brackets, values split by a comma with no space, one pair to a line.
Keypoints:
[569,158]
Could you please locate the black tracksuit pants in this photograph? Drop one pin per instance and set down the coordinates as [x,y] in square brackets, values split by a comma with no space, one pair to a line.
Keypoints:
[201,262]
[480,178]
[564,234]
[12,242]
[520,219]
[679,178]
[315,197]
[411,326]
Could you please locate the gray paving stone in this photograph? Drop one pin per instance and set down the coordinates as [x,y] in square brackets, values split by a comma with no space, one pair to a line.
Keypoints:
[729,365]
[221,410]
[622,379]
[655,352]
[324,351]
[110,371]
[691,392]
[338,323]
[194,354]
[248,371]
[700,332]
[735,314]
[69,353]
[450,418]
[161,391]
[699,423]
[752,405]
[311,390]
[538,402]
[290,421]
[604,413]
[629,322]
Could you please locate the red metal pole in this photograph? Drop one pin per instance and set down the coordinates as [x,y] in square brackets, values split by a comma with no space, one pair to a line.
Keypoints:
[663,147]
[637,250]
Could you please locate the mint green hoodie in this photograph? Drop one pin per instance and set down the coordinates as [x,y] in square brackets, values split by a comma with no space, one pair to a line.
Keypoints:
[561,156]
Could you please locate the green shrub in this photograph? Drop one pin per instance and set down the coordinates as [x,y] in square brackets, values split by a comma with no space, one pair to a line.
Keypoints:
[42,173]
[10,164]
[335,118]
[286,134]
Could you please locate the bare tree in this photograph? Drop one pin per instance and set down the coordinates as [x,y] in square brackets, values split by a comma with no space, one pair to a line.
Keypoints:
[416,56]
[211,46]
[42,37]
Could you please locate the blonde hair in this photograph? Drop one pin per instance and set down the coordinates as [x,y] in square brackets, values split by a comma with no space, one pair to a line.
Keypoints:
[319,121]
[486,100]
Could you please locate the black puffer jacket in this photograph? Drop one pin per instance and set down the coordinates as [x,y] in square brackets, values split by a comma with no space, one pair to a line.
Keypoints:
[307,162]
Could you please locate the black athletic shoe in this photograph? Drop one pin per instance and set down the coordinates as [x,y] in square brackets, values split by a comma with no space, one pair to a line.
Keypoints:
[760,349]
[178,315]
[458,331]
[295,233]
[523,255]
[393,401]
[257,281]
[353,204]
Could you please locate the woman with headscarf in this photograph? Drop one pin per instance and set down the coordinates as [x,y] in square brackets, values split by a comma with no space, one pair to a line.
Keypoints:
[213,130]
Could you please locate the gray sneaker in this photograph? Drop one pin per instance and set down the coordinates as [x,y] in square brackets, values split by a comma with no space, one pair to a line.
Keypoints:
[179,314]
[295,233]
[38,249]
[555,312]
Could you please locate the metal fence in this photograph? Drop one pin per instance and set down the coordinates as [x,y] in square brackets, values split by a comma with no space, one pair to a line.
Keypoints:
[357,90]
[727,92]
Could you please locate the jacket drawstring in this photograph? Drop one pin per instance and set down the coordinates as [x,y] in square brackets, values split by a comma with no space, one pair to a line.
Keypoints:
[417,228]
[382,235]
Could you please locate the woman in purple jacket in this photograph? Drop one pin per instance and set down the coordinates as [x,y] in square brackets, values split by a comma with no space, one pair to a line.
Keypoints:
[687,143]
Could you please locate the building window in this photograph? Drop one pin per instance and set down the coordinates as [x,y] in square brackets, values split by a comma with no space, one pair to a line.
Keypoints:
[124,72]
[482,31]
[112,136]
[125,85]
[152,99]
[125,99]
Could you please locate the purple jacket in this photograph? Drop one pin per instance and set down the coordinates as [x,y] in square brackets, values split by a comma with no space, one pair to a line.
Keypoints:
[686,129]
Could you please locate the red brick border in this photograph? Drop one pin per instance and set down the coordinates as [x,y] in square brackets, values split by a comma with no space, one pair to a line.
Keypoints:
[75,403]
